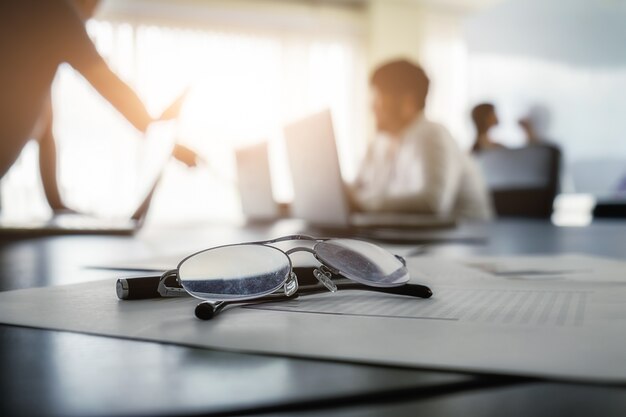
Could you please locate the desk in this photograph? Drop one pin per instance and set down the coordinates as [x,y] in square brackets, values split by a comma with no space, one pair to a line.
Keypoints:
[56,373]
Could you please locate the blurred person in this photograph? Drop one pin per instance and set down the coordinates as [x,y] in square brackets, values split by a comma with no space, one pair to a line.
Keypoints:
[35,38]
[535,125]
[485,118]
[414,165]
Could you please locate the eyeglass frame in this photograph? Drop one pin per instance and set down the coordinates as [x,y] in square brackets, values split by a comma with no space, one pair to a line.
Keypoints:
[290,285]
[324,269]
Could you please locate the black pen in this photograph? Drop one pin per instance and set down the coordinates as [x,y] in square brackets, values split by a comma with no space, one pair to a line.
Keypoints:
[138,288]
[410,290]
[141,288]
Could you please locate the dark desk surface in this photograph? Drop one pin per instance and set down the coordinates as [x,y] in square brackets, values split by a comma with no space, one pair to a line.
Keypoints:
[56,373]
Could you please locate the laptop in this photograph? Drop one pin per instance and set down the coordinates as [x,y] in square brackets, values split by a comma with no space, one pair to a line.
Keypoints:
[159,143]
[320,194]
[254,182]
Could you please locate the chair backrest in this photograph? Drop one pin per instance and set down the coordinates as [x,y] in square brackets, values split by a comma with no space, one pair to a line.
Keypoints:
[523,182]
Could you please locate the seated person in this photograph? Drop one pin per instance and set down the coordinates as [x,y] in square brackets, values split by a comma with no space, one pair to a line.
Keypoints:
[536,125]
[414,165]
[484,117]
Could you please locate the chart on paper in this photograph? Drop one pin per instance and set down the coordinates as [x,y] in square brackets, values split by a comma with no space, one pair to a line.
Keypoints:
[497,306]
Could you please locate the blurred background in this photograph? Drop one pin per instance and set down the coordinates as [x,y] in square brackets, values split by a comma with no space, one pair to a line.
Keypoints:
[254,65]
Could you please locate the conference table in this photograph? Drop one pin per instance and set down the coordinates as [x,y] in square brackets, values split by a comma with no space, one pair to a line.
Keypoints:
[51,373]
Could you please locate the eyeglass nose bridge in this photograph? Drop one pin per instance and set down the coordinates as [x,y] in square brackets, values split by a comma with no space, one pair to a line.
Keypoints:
[325,269]
[167,291]
[323,274]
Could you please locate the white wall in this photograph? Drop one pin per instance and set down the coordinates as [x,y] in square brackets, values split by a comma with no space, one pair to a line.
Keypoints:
[433,37]
[569,56]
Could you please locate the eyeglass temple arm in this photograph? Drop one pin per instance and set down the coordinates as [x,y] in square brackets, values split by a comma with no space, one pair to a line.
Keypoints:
[207,310]
[410,290]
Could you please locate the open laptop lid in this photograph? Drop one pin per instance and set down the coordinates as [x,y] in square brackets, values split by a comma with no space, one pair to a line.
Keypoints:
[319,191]
[254,182]
[156,150]
[158,147]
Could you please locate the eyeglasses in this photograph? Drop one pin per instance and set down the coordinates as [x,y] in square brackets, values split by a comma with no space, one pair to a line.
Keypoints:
[239,273]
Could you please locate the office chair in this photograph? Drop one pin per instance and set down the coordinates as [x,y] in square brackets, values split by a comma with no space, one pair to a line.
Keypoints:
[523,182]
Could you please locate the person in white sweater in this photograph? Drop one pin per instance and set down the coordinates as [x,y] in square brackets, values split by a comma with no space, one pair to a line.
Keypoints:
[414,165]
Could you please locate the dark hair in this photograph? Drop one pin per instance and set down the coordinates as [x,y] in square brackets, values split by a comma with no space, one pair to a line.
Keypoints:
[402,77]
[480,113]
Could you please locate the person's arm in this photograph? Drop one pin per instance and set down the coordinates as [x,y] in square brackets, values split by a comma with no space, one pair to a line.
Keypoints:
[48,161]
[82,55]
[122,96]
[441,181]
[115,91]
[126,101]
[80,52]
[185,155]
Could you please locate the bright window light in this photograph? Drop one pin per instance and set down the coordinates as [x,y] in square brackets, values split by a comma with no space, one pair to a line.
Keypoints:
[244,87]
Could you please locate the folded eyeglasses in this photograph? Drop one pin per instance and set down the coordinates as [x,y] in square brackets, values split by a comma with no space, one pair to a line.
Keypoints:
[240,273]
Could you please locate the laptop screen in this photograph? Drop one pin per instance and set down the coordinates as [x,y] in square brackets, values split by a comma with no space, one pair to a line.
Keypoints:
[319,192]
[156,151]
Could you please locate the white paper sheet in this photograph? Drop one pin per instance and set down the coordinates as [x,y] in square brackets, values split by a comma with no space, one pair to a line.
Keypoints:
[573,327]
[535,308]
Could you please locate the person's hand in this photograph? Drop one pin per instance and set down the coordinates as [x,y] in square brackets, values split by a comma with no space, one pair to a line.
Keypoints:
[173,110]
[526,125]
[186,155]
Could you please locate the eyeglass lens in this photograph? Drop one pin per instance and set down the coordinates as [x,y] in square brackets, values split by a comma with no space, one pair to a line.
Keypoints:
[362,262]
[236,272]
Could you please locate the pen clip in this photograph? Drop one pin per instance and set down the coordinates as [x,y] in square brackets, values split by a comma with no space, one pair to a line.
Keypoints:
[167,291]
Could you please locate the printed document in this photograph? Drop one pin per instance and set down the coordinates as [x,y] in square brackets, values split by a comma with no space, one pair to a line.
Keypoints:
[560,317]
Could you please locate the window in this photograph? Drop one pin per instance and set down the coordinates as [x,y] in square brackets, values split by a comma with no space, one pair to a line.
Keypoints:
[244,86]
